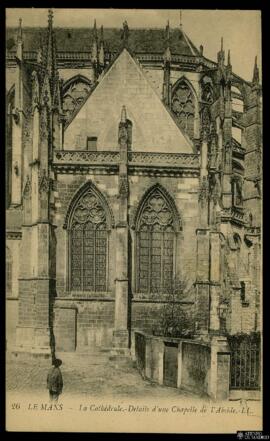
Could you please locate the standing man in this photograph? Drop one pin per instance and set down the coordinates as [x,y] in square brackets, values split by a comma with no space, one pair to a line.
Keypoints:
[55,380]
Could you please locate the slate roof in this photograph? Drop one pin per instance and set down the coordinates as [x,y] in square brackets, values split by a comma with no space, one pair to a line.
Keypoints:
[80,39]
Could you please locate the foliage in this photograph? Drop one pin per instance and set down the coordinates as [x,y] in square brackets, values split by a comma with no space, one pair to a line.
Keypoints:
[177,318]
[237,339]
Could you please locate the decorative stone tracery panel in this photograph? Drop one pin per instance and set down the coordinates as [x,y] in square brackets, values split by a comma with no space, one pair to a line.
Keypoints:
[156,228]
[88,239]
[75,93]
[183,106]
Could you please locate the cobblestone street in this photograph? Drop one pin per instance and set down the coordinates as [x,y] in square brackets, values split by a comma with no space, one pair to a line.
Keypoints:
[86,376]
[96,388]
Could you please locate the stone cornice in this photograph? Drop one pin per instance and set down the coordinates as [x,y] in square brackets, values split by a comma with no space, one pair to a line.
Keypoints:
[68,58]
[14,235]
[141,163]
[233,215]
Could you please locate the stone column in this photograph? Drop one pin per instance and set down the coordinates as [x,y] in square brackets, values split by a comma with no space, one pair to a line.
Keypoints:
[219,381]
[202,283]
[214,280]
[121,331]
[204,185]
[37,277]
[203,244]
[179,360]
[17,132]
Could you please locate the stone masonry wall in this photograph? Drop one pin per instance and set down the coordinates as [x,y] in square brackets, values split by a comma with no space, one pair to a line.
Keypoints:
[95,311]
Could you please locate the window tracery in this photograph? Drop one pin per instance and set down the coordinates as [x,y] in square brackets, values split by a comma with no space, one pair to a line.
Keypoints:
[88,244]
[75,93]
[155,245]
[183,106]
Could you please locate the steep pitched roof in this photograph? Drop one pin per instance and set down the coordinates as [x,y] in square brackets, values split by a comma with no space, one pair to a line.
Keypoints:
[81,39]
[125,83]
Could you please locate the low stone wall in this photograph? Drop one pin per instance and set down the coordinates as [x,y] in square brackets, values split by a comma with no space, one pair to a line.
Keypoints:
[196,366]
[189,364]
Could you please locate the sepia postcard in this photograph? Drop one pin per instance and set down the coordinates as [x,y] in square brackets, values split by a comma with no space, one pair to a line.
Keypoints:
[133,221]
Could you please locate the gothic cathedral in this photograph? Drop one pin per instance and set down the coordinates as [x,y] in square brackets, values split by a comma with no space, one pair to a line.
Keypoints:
[133,168]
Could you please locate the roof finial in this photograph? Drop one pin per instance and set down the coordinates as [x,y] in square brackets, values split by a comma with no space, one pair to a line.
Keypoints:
[20,29]
[181,25]
[101,49]
[123,115]
[19,52]
[101,34]
[229,58]
[167,55]
[50,51]
[125,34]
[221,54]
[95,29]
[167,32]
[50,18]
[94,53]
[256,76]
[39,51]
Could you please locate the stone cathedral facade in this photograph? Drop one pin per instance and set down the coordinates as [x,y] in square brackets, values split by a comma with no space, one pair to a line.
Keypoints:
[132,161]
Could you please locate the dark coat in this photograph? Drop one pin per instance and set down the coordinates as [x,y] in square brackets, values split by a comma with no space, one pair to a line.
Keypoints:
[55,380]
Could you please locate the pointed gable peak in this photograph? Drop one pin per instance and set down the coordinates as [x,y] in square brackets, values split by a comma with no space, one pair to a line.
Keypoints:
[186,45]
[154,126]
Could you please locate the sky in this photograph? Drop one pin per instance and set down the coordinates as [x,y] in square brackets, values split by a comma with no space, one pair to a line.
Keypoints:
[240,29]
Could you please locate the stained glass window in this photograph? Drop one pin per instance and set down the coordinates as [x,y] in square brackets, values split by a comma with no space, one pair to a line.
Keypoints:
[155,239]
[183,106]
[88,245]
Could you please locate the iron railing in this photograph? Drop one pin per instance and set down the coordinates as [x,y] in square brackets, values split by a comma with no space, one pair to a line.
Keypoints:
[245,363]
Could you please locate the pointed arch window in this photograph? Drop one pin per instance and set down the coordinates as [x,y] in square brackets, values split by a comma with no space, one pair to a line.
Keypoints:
[8,272]
[75,92]
[156,244]
[183,106]
[88,243]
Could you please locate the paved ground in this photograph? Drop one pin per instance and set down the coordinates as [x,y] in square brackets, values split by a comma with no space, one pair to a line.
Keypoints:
[96,388]
[86,376]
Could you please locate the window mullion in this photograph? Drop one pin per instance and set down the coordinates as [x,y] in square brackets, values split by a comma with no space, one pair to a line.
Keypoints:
[162,261]
[150,233]
[94,260]
[82,259]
